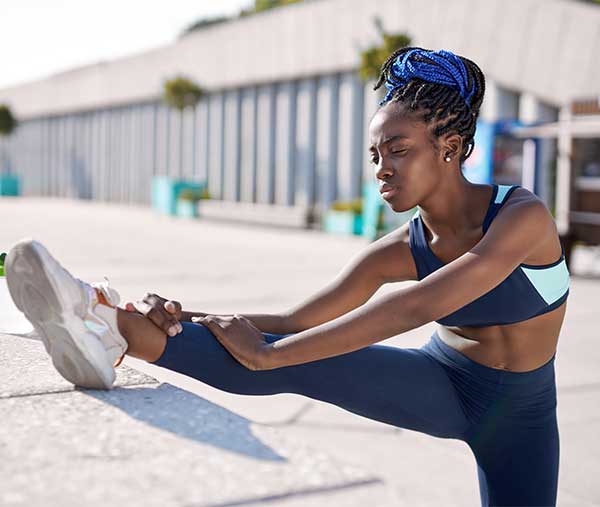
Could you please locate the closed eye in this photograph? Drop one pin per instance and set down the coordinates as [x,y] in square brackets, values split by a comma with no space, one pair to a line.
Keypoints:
[374,160]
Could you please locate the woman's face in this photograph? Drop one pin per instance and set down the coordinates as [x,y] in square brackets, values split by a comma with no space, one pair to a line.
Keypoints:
[404,158]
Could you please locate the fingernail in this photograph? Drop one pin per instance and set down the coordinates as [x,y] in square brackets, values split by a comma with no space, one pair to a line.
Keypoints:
[172,331]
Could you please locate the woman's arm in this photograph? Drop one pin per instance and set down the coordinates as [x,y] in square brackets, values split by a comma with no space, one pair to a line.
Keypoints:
[267,323]
[512,236]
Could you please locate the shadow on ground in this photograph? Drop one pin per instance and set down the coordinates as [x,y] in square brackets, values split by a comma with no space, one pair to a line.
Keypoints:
[188,416]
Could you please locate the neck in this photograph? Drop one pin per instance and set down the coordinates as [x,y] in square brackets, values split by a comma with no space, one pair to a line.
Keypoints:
[454,207]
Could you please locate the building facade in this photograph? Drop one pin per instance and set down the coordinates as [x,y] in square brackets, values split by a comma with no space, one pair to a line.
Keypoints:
[285,118]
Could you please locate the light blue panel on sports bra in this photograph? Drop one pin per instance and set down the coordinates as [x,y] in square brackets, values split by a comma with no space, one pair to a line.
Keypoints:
[550,282]
[502,189]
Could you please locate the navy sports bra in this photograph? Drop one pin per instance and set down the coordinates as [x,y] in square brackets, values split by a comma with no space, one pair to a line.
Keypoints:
[530,290]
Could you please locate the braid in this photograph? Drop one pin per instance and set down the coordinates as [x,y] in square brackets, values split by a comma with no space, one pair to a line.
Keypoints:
[443,89]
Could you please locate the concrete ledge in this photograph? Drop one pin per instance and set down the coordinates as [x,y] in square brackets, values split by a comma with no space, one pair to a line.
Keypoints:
[268,214]
[149,443]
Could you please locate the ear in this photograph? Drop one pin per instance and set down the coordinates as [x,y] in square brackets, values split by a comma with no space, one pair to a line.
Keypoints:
[450,145]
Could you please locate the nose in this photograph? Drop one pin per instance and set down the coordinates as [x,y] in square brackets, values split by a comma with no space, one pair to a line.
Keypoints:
[383,169]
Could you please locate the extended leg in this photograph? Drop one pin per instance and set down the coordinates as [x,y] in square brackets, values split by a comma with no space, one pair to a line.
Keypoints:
[402,387]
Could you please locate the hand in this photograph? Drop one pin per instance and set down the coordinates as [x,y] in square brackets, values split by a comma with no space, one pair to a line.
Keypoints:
[244,341]
[164,313]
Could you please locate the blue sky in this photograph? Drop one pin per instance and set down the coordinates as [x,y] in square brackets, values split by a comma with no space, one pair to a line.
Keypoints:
[42,37]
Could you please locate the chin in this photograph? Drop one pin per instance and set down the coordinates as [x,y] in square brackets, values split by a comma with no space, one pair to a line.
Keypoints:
[399,207]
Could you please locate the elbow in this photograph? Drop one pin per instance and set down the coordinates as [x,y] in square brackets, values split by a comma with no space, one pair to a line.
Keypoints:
[268,359]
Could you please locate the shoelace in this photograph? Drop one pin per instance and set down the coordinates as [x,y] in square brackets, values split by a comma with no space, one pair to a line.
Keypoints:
[102,292]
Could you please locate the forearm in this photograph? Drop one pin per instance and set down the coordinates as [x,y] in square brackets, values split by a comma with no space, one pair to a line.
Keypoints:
[267,323]
[377,320]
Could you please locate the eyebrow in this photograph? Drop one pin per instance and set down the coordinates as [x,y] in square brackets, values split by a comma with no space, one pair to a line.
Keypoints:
[389,140]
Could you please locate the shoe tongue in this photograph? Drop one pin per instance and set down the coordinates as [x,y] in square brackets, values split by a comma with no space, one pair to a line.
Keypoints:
[97,296]
[102,299]
[106,295]
[113,296]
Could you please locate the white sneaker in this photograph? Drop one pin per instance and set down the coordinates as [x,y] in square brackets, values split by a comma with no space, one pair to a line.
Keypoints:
[80,334]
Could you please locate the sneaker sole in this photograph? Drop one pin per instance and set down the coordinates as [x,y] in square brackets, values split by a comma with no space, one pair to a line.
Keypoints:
[76,352]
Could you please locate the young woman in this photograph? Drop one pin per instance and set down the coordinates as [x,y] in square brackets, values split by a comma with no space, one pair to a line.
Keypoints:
[490,270]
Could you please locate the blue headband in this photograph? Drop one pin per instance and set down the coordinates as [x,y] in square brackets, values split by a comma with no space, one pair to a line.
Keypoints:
[441,67]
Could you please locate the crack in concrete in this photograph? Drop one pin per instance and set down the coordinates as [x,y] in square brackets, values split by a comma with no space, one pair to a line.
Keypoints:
[73,390]
[290,494]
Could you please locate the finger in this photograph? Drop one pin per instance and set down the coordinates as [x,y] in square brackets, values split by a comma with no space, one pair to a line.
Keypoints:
[178,309]
[214,328]
[241,318]
[205,321]
[172,315]
[142,307]
[248,322]
[172,326]
[201,320]
[174,308]
[163,320]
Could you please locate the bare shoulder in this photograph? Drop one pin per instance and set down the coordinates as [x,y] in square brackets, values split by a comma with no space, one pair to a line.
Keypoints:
[527,207]
[393,256]
[523,201]
[521,194]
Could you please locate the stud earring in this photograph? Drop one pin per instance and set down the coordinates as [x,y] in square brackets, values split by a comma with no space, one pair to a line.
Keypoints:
[447,158]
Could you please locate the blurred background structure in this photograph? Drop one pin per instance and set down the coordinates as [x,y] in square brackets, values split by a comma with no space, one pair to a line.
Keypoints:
[281,123]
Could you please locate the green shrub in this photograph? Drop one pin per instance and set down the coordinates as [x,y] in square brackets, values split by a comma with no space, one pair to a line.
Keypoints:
[181,92]
[7,121]
[354,206]
[203,23]
[2,258]
[189,194]
[373,58]
[264,5]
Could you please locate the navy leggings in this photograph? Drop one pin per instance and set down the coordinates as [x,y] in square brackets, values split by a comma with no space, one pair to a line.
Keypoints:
[508,419]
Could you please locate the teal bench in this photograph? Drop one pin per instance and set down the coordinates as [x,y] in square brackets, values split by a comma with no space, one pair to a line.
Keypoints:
[9,184]
[166,190]
[373,206]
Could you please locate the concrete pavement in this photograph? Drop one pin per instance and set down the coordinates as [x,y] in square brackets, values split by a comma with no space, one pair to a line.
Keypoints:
[177,441]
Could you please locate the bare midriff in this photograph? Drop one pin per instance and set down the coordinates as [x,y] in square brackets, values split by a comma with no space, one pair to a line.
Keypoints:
[519,347]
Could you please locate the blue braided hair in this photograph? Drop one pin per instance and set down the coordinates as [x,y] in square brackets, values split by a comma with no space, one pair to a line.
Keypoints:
[439,86]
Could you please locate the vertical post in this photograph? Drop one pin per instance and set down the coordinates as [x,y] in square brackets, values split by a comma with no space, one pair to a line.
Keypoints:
[327,139]
[528,170]
[231,142]
[285,142]
[563,170]
[248,143]
[265,144]
[350,120]
[215,145]
[305,149]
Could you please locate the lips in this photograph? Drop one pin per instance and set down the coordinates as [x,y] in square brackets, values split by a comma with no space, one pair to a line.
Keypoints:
[387,188]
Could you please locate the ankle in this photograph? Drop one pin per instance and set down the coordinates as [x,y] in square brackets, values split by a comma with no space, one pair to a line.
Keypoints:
[145,340]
